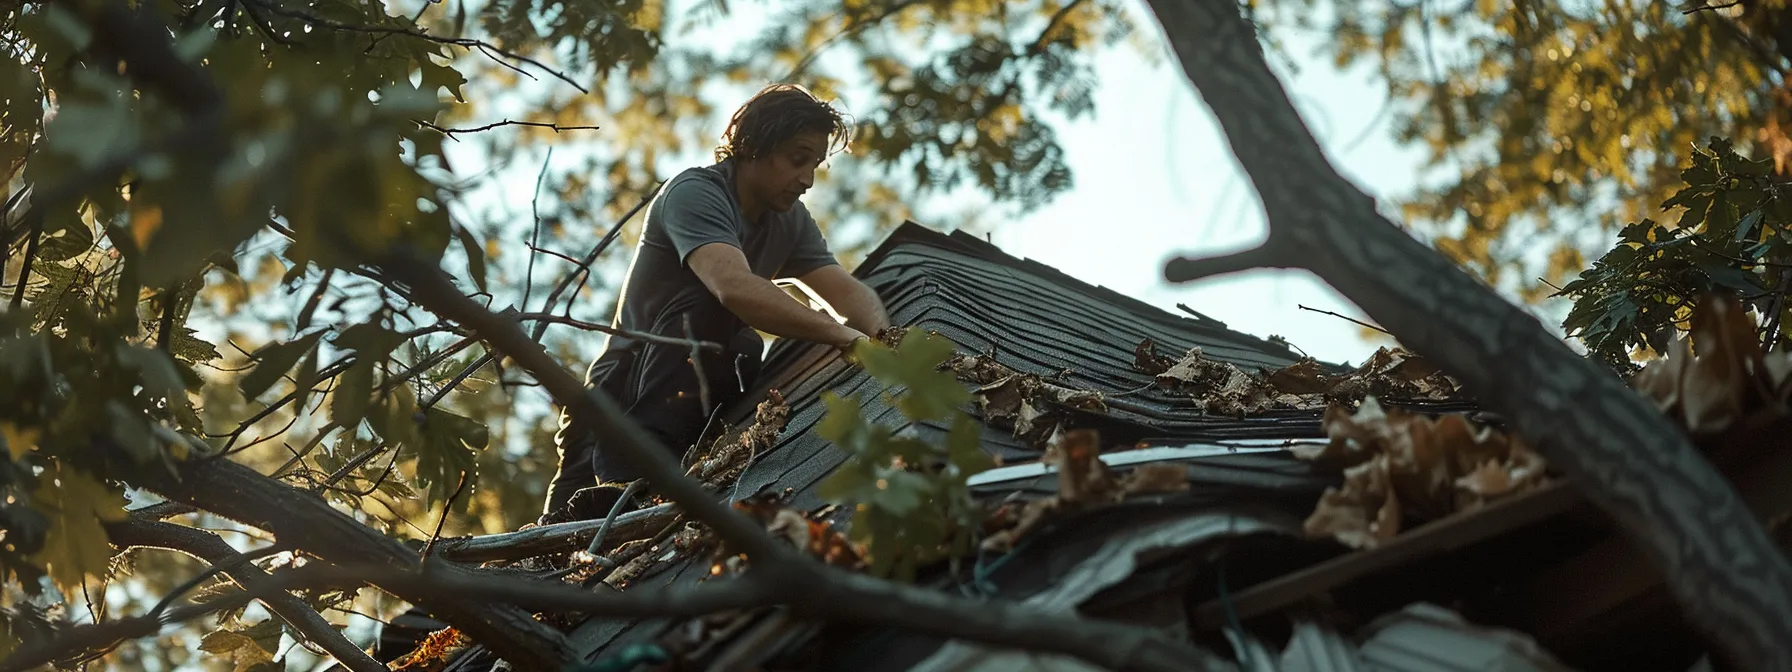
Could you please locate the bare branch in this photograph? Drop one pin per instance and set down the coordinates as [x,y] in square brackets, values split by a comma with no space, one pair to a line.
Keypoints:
[239,493]
[1184,269]
[209,547]
[101,636]
[625,333]
[451,132]
[1346,318]
[555,538]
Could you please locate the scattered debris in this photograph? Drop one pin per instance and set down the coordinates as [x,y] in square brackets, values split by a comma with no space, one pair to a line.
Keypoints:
[1028,403]
[1221,388]
[1727,379]
[1083,480]
[730,454]
[1403,469]
[432,654]
[812,534]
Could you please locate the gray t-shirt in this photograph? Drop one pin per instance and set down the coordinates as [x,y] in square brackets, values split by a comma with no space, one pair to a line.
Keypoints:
[695,208]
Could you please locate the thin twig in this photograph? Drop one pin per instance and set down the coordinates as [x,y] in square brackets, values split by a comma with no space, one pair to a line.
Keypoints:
[625,333]
[423,558]
[450,132]
[451,384]
[491,51]
[535,233]
[207,546]
[37,230]
[1346,318]
[628,493]
[697,364]
[557,255]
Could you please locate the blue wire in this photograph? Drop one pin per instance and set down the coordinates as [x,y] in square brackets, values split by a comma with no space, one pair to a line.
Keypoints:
[1244,649]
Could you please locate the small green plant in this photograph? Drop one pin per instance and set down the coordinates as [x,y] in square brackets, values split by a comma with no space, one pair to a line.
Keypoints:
[911,503]
[1731,239]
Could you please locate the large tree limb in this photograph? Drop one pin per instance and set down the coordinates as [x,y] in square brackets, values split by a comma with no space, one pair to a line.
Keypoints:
[239,493]
[1634,462]
[555,538]
[208,546]
[812,589]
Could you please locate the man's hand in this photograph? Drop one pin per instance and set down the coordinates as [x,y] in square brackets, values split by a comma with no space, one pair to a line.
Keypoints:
[851,349]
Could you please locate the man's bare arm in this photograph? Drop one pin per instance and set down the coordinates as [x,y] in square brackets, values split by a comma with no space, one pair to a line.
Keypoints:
[758,302]
[854,301]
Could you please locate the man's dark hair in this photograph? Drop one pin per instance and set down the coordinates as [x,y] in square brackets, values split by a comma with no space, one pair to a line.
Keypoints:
[776,114]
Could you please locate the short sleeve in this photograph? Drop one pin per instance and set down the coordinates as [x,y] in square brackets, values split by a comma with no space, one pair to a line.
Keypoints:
[810,251]
[696,212]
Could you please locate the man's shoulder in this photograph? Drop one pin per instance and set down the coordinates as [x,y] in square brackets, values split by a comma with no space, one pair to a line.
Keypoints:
[707,176]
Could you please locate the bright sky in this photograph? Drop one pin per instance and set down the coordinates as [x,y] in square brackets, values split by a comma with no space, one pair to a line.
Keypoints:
[1154,178]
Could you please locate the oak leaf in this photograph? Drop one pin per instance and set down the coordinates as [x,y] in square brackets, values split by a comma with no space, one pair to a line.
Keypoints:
[76,544]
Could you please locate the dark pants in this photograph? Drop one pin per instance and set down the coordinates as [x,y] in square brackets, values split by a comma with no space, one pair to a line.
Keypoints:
[658,387]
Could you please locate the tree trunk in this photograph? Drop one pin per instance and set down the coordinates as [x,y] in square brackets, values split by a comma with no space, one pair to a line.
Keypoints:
[1635,464]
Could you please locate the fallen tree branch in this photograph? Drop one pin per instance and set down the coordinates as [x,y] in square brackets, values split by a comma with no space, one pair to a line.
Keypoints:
[101,636]
[555,538]
[239,493]
[815,590]
[208,546]
[1635,463]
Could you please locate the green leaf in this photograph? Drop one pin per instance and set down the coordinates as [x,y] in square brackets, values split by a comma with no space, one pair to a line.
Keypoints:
[187,345]
[371,343]
[352,396]
[76,545]
[441,76]
[475,256]
[448,444]
[273,361]
[65,235]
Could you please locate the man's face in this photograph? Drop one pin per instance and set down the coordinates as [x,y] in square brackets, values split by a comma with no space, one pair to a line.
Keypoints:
[781,176]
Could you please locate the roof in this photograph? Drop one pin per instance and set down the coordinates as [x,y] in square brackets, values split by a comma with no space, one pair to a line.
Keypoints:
[1036,319]
[1153,559]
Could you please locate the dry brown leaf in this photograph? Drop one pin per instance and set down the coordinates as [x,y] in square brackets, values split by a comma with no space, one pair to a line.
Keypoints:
[1146,360]
[1431,468]
[1363,513]
[1302,377]
[730,454]
[1024,402]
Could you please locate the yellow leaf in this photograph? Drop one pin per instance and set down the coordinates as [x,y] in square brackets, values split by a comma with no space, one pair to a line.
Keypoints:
[76,543]
[19,440]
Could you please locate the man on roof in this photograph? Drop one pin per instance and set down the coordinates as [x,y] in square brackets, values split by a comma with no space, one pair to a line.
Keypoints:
[716,237]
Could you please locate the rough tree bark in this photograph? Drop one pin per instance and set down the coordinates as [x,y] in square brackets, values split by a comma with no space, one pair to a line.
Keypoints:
[1634,462]
[239,493]
[209,547]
